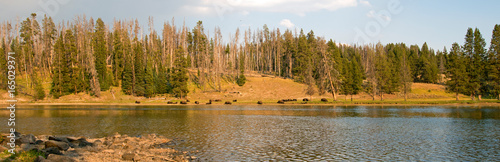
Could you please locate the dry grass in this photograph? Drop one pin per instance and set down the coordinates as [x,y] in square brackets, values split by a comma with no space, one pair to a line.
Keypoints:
[258,88]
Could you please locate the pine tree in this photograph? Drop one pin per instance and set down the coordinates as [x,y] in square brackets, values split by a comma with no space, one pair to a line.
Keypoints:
[309,79]
[242,79]
[356,78]
[383,71]
[39,92]
[57,88]
[493,63]
[457,71]
[473,49]
[117,57]
[406,73]
[480,58]
[100,53]
[127,76]
[3,64]
[149,86]
[139,70]
[179,77]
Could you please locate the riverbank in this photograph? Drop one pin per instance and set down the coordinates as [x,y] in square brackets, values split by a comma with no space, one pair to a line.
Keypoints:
[117,147]
[291,103]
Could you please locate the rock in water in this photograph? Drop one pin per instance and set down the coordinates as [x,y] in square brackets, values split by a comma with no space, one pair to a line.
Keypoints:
[60,145]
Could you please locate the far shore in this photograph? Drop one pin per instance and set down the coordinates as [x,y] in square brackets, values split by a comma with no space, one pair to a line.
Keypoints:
[493,103]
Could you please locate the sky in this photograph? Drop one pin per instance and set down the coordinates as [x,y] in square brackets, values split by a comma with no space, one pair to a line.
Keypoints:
[439,23]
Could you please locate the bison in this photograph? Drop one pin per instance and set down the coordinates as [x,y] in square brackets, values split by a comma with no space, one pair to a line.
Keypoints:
[259,102]
[281,102]
[305,99]
[137,102]
[235,100]
[324,100]
[227,103]
[196,102]
[183,102]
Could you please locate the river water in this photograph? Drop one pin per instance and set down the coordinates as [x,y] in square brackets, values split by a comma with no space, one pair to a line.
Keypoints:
[286,133]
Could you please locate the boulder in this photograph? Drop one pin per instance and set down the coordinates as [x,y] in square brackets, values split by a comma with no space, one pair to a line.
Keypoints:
[128,156]
[61,139]
[41,159]
[39,142]
[60,145]
[60,158]
[29,138]
[51,150]
[27,146]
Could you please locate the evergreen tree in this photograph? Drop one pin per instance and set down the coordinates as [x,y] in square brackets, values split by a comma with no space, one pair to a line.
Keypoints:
[127,76]
[118,59]
[479,59]
[383,71]
[493,63]
[149,86]
[457,71]
[3,64]
[139,70]
[39,92]
[179,77]
[405,72]
[473,54]
[242,79]
[100,53]
[356,78]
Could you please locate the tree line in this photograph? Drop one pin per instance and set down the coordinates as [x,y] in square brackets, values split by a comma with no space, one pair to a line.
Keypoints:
[90,56]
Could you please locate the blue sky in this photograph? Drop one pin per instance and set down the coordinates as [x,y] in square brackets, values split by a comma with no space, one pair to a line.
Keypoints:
[439,23]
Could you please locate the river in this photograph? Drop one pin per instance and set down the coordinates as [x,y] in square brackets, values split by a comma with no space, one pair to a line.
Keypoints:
[286,133]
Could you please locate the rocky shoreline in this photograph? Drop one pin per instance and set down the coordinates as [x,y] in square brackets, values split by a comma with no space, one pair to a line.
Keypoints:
[117,147]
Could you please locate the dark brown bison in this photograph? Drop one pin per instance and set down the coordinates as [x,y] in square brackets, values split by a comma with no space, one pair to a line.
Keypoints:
[235,100]
[281,102]
[227,103]
[324,100]
[137,102]
[183,102]
[259,102]
[196,102]
[305,99]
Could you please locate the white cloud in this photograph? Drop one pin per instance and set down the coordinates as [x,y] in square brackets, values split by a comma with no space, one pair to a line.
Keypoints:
[365,2]
[287,23]
[300,7]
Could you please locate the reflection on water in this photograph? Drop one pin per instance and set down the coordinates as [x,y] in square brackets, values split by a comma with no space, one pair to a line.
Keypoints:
[287,132]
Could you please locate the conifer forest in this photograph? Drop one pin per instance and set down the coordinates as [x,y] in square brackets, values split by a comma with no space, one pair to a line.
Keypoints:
[87,55]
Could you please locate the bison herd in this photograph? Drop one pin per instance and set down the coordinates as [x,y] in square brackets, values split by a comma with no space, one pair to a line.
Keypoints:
[283,101]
